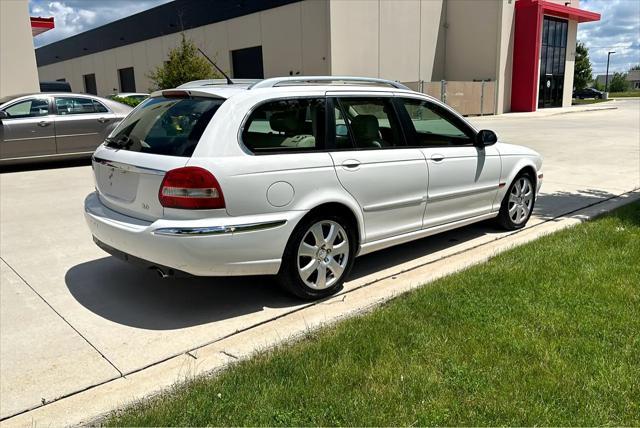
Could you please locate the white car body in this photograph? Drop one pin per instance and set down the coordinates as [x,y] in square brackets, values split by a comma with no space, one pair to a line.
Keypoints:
[395,195]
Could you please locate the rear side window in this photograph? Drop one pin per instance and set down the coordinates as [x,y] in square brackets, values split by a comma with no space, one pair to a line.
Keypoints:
[99,107]
[165,126]
[286,126]
[371,121]
[69,105]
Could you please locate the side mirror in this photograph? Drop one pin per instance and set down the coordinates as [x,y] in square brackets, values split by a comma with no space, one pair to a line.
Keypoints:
[3,115]
[486,137]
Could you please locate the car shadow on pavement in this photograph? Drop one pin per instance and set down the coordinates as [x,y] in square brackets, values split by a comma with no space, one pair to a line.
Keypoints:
[137,297]
[560,204]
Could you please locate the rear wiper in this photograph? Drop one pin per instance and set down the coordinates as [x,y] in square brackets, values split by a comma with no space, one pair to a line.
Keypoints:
[123,142]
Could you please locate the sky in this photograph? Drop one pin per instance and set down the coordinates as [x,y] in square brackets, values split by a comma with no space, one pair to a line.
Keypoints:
[618,30]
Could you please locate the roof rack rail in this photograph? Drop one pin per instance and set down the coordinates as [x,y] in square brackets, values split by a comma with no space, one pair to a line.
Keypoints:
[310,80]
[216,82]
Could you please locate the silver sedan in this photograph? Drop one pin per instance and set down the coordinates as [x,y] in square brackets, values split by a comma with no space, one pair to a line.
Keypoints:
[55,125]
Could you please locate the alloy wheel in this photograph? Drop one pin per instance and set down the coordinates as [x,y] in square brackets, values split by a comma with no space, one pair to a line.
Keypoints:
[323,254]
[520,200]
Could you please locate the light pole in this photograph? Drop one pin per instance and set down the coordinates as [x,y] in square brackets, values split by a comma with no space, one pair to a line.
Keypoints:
[606,77]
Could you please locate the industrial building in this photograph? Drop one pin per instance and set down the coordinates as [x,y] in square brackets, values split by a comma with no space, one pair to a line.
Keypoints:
[526,48]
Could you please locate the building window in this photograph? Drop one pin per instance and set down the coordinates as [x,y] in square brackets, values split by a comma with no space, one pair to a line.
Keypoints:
[552,61]
[90,84]
[247,63]
[127,79]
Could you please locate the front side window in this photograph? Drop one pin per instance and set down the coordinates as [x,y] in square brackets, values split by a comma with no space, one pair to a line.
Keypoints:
[434,126]
[286,125]
[32,107]
[371,123]
[73,105]
[165,125]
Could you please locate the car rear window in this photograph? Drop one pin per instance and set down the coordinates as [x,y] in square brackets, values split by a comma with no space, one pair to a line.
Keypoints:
[288,125]
[165,126]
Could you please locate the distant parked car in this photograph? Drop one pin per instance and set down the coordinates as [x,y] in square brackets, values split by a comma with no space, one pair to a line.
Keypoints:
[57,125]
[138,96]
[55,86]
[588,93]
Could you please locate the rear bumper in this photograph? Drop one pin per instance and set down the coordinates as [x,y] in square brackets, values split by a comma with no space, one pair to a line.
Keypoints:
[248,245]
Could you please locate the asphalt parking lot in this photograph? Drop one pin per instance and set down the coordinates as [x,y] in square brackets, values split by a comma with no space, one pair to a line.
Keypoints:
[71,317]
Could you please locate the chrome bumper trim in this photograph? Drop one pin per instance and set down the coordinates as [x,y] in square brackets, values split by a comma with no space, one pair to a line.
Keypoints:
[217,230]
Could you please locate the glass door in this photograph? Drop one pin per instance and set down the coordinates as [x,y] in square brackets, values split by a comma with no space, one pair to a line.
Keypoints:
[552,60]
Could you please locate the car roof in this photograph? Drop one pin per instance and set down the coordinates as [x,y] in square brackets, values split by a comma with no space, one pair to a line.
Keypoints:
[113,105]
[221,88]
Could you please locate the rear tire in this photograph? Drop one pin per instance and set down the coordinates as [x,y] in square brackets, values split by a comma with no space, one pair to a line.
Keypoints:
[318,256]
[517,205]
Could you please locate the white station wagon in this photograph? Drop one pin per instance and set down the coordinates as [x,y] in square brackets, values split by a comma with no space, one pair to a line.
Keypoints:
[296,177]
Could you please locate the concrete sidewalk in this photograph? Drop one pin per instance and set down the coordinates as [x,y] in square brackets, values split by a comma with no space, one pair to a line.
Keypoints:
[607,105]
[82,333]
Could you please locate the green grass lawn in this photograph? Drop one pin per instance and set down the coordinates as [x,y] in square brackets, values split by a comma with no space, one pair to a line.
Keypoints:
[624,94]
[544,334]
[587,101]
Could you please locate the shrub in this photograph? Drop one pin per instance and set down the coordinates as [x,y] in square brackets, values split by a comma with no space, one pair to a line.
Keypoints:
[184,65]
[128,101]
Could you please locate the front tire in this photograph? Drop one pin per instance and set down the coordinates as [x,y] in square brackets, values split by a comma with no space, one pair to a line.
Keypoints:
[518,203]
[318,257]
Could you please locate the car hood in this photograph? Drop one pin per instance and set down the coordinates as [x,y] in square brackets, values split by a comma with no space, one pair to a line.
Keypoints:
[506,149]
[514,149]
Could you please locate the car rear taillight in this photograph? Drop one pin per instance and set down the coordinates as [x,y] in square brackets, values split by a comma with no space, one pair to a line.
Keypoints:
[191,188]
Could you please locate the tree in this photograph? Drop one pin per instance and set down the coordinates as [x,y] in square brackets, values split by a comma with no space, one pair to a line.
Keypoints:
[618,83]
[583,74]
[635,67]
[184,65]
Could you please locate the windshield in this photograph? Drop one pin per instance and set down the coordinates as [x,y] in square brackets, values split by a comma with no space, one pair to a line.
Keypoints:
[165,126]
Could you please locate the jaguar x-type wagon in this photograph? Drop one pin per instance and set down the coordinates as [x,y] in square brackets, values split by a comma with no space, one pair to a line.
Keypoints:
[296,177]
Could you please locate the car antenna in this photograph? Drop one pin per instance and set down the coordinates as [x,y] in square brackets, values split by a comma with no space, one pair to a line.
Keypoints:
[229,81]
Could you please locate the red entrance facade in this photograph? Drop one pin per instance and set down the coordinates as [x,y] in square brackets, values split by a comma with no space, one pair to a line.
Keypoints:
[40,25]
[529,15]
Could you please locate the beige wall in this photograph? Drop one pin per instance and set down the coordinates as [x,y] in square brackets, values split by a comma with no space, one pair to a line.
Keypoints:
[472,36]
[432,41]
[302,45]
[505,57]
[344,17]
[18,72]
[394,39]
[567,95]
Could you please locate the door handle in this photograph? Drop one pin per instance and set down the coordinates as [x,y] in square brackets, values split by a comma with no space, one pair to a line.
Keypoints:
[437,157]
[103,120]
[351,164]
[43,123]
